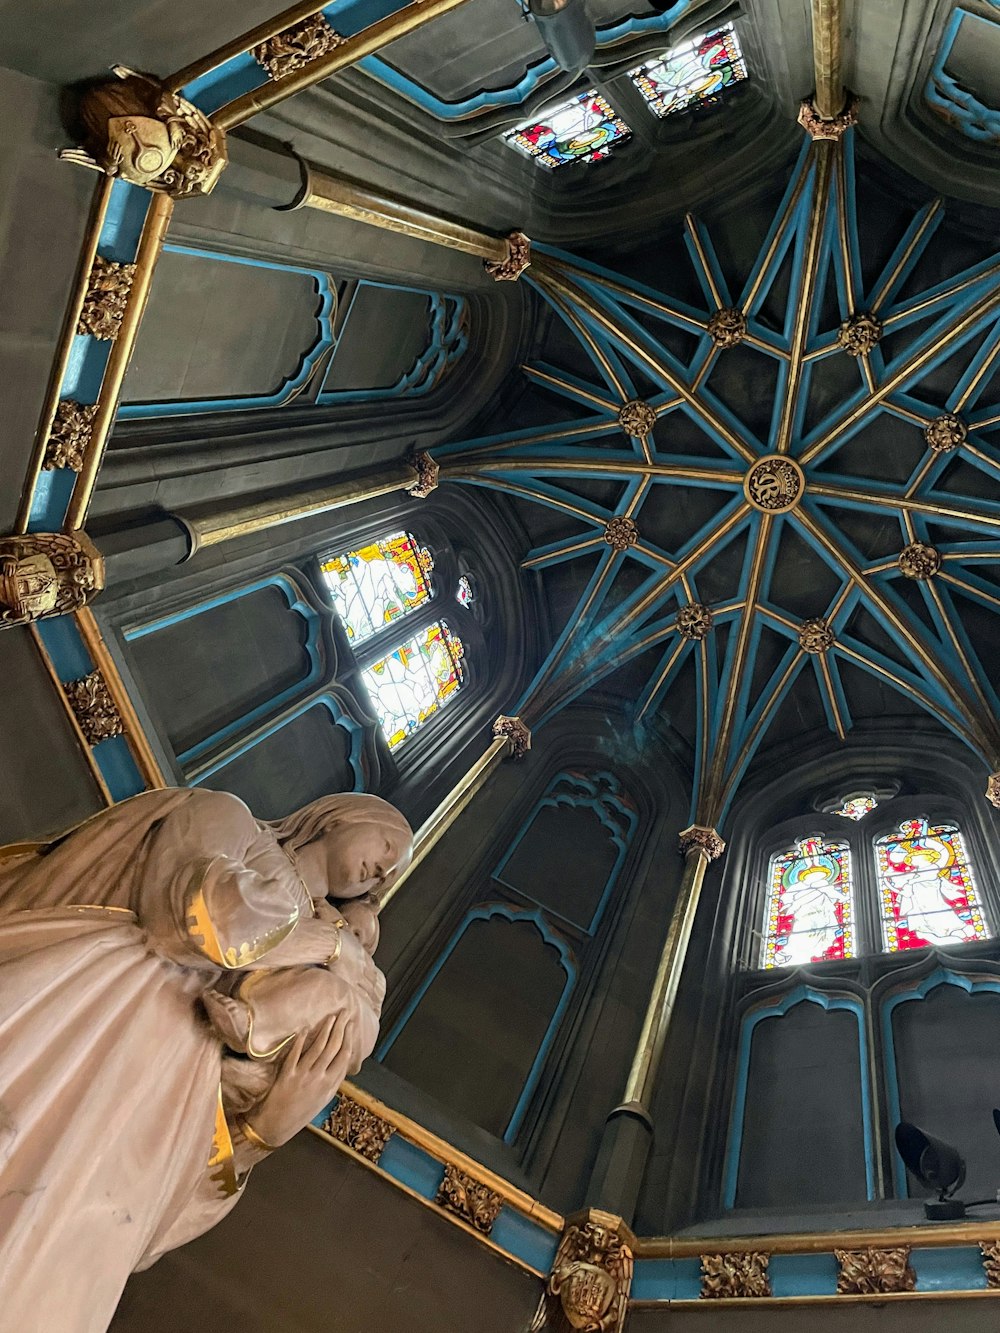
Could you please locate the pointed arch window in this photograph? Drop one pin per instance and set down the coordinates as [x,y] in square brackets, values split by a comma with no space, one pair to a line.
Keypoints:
[927,888]
[810,905]
[411,671]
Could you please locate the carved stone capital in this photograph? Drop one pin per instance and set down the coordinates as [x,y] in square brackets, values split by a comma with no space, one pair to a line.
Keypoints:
[835,128]
[636,418]
[134,128]
[703,838]
[427,475]
[727,326]
[734,1276]
[993,790]
[816,635]
[591,1276]
[516,731]
[47,574]
[620,533]
[469,1199]
[296,47]
[946,432]
[517,259]
[694,621]
[990,1250]
[919,560]
[859,335]
[94,708]
[871,1272]
[107,296]
[69,437]
[358,1128]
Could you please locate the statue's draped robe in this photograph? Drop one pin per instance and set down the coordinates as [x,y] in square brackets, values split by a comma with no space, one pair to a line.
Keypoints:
[109,1071]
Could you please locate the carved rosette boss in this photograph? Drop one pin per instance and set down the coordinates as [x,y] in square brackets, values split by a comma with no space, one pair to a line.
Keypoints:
[515,731]
[699,837]
[919,560]
[427,475]
[834,128]
[94,709]
[469,1199]
[727,327]
[774,484]
[134,128]
[296,47]
[516,260]
[358,1128]
[873,1272]
[694,621]
[734,1276]
[859,335]
[636,418]
[588,1288]
[816,635]
[620,533]
[946,432]
[47,574]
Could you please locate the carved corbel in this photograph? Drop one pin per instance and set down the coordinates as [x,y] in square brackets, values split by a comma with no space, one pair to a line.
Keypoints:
[588,1288]
[516,732]
[516,260]
[134,128]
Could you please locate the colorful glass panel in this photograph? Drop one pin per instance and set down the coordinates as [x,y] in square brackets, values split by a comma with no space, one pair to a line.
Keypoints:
[856,807]
[464,593]
[927,888]
[697,71]
[810,908]
[415,680]
[584,129]
[378,584]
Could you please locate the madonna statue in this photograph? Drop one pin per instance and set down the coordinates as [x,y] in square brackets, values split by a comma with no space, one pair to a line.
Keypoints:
[182,989]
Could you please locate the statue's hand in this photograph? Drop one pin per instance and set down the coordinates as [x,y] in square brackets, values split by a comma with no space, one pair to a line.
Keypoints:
[305,1083]
[357,969]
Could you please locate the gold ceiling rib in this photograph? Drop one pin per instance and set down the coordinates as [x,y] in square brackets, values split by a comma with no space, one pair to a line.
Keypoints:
[883,292]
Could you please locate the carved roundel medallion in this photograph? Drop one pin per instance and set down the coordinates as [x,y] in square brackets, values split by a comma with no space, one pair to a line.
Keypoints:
[774,484]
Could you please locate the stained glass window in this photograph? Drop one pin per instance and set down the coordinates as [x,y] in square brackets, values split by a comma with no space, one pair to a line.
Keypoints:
[810,909]
[378,584]
[585,129]
[415,680]
[856,807]
[697,71]
[927,888]
[464,593]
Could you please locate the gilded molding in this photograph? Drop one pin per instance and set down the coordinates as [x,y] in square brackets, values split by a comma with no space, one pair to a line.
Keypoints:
[469,1199]
[516,731]
[69,437]
[427,475]
[727,326]
[636,418]
[694,621]
[834,128]
[734,1276]
[859,335]
[47,574]
[591,1277]
[359,1129]
[704,839]
[94,708]
[946,432]
[873,1271]
[296,47]
[108,289]
[990,1250]
[774,484]
[816,635]
[133,128]
[919,560]
[620,533]
[516,260]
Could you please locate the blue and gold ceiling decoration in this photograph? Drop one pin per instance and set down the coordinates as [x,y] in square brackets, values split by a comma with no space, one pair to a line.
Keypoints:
[853,356]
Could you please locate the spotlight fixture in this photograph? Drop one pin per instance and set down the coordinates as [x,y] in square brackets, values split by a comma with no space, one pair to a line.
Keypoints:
[936,1164]
[567,31]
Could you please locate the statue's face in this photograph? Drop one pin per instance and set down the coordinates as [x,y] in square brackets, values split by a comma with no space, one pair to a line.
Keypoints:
[359,858]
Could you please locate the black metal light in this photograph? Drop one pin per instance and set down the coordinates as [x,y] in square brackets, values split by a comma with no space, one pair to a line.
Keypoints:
[937,1164]
[567,31]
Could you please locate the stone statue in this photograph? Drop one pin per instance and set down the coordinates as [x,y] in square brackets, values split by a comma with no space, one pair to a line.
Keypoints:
[182,988]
